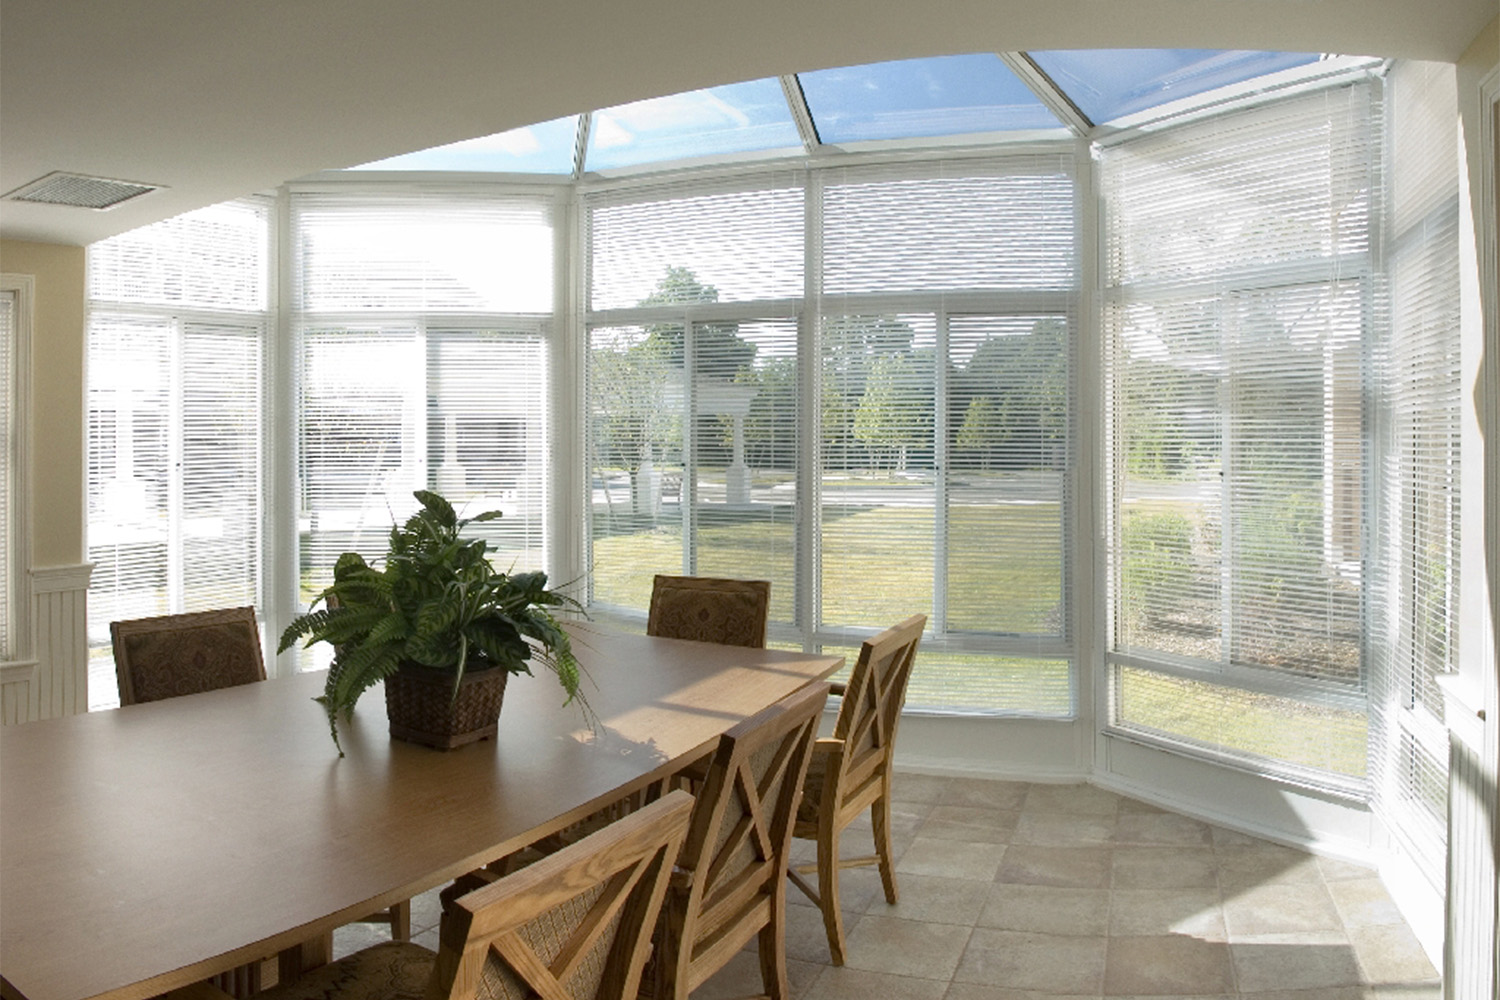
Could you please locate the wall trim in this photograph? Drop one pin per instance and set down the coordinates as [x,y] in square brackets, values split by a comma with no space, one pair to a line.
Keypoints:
[56,579]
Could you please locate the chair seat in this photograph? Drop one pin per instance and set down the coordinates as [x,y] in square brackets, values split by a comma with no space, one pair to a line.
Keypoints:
[395,970]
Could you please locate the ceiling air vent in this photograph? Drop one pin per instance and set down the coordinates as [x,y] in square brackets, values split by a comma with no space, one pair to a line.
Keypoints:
[79,191]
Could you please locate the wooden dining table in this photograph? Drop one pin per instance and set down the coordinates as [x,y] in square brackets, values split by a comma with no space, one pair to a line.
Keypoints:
[150,847]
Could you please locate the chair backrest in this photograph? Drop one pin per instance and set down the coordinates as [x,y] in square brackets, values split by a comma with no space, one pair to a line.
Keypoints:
[735,856]
[873,698]
[173,655]
[575,925]
[710,609]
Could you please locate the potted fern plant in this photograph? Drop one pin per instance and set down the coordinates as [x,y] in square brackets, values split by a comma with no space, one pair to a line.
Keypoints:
[440,625]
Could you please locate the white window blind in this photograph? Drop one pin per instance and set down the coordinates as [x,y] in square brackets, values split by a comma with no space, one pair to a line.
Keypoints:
[694,409]
[423,325]
[939,355]
[1415,582]
[1238,322]
[9,323]
[177,325]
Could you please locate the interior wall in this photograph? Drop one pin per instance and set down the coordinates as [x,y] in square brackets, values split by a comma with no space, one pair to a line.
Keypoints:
[57,396]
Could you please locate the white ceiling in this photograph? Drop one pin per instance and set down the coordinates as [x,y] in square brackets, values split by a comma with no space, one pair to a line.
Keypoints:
[218,98]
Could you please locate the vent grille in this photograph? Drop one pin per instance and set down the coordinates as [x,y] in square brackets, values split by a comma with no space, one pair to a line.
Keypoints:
[79,191]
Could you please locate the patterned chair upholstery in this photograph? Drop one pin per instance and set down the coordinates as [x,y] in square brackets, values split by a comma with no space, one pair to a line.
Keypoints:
[173,655]
[710,609]
[576,924]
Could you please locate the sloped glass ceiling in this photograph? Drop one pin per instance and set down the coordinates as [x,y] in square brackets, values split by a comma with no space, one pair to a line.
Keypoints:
[921,98]
[909,102]
[1109,84]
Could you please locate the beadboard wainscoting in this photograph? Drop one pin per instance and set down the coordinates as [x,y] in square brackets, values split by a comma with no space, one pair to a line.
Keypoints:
[53,681]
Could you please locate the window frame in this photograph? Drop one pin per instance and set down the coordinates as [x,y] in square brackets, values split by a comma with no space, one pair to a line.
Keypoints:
[19,648]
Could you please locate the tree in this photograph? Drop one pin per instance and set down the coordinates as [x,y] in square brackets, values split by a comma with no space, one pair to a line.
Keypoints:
[895,411]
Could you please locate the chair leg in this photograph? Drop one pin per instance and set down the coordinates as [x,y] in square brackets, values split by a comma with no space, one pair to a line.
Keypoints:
[771,947]
[880,820]
[401,921]
[828,890]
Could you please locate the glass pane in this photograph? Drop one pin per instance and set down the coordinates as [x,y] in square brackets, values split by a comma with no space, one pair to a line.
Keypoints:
[735,118]
[546,148]
[636,398]
[1248,723]
[745,444]
[1008,433]
[918,98]
[878,476]
[1107,84]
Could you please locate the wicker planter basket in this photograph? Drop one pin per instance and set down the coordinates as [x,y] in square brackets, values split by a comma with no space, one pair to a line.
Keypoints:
[420,704]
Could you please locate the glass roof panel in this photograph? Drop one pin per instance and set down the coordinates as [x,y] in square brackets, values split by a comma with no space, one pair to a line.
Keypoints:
[1106,84]
[921,98]
[736,118]
[533,149]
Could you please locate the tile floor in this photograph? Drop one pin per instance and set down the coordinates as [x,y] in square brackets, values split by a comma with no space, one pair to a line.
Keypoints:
[1015,891]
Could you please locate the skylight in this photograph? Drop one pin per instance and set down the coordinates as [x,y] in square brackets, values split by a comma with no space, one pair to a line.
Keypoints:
[746,117]
[944,99]
[546,148]
[1107,84]
[921,98]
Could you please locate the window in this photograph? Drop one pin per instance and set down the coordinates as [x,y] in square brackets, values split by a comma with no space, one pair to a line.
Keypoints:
[422,325]
[177,327]
[1414,619]
[15,540]
[1238,313]
[868,445]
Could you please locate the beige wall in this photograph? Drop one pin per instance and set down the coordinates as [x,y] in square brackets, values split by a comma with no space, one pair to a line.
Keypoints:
[57,390]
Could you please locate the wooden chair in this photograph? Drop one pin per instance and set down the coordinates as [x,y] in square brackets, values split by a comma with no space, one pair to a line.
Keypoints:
[172,655]
[710,609]
[728,886]
[575,925]
[851,771]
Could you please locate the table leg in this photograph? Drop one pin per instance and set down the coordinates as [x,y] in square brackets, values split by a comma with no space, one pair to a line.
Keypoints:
[304,957]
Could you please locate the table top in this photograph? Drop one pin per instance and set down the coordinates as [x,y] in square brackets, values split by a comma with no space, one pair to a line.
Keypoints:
[149,847]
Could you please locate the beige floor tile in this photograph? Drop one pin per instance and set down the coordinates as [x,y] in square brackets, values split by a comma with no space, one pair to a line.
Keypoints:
[1261,968]
[1364,902]
[1391,954]
[935,899]
[1045,909]
[1425,991]
[971,824]
[1161,828]
[741,977]
[951,859]
[1075,800]
[859,888]
[1322,993]
[1334,869]
[856,984]
[906,947]
[1163,868]
[1262,864]
[1129,805]
[426,910]
[1279,909]
[976,991]
[806,938]
[1069,867]
[1170,965]
[985,794]
[1046,962]
[1063,830]
[908,787]
[1190,912]
[1233,838]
